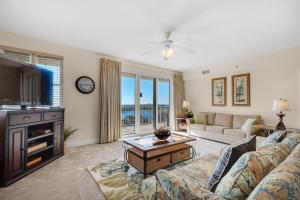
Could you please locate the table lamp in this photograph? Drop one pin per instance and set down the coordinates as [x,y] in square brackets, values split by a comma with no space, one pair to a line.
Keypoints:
[279,106]
[186,105]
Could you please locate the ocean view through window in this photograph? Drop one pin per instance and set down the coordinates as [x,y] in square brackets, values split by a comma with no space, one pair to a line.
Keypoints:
[145,104]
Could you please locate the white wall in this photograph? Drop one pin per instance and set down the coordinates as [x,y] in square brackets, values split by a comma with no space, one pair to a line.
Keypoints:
[81,110]
[272,76]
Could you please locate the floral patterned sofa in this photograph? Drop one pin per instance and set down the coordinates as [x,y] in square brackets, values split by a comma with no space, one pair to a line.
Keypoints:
[271,172]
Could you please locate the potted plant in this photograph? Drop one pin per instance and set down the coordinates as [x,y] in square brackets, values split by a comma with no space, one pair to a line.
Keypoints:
[68,132]
[190,114]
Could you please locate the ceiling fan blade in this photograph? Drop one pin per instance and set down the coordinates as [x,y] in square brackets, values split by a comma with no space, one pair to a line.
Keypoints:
[181,41]
[149,52]
[185,49]
[157,43]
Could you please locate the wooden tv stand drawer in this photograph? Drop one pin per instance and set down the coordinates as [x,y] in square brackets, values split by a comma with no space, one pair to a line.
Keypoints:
[53,115]
[15,119]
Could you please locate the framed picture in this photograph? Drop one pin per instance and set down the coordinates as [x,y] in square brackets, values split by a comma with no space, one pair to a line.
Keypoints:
[219,86]
[241,90]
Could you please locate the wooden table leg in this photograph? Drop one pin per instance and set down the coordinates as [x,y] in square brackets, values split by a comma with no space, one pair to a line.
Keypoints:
[145,164]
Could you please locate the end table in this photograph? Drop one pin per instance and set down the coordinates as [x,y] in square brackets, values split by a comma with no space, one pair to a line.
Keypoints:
[268,130]
[181,124]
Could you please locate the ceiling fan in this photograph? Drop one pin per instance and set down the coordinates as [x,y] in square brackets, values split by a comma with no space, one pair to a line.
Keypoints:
[168,47]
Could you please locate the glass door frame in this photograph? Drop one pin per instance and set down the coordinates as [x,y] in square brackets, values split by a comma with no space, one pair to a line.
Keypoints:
[154,100]
[125,74]
[137,99]
[156,91]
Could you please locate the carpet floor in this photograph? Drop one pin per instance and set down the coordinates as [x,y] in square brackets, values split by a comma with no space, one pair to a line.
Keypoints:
[67,178]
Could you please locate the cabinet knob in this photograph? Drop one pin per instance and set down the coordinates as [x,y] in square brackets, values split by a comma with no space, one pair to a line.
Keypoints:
[158,159]
[22,149]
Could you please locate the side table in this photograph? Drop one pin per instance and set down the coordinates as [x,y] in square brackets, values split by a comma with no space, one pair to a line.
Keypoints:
[268,130]
[181,124]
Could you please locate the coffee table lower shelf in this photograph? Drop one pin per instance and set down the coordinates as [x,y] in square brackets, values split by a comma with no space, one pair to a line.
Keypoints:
[148,162]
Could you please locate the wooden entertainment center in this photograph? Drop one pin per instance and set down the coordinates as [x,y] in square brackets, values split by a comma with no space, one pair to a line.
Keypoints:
[29,139]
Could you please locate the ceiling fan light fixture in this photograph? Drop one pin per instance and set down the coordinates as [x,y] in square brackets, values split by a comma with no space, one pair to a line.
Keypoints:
[167,52]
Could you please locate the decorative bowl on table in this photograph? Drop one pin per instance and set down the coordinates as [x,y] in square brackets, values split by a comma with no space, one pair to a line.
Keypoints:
[162,133]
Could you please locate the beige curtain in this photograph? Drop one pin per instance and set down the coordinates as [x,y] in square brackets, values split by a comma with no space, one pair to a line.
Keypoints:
[178,95]
[110,100]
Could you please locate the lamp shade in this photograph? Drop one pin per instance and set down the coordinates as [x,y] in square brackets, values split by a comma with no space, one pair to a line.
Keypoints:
[281,105]
[186,104]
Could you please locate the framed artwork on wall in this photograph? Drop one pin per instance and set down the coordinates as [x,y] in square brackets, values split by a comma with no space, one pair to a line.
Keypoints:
[219,91]
[241,90]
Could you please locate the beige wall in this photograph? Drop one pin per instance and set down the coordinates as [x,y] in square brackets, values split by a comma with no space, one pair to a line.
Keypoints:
[272,76]
[81,110]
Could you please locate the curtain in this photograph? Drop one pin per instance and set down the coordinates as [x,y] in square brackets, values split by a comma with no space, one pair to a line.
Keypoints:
[178,95]
[110,100]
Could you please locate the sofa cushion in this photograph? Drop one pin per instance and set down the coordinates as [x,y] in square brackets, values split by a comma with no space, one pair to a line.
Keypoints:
[200,118]
[283,182]
[211,118]
[239,120]
[223,120]
[248,125]
[214,136]
[217,129]
[277,136]
[198,126]
[229,156]
[250,169]
[172,186]
[292,140]
[235,132]
[194,176]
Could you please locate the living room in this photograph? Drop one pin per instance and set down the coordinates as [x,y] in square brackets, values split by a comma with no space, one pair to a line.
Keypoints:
[148,100]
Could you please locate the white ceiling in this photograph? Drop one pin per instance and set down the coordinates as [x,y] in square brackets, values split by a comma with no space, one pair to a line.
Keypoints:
[221,30]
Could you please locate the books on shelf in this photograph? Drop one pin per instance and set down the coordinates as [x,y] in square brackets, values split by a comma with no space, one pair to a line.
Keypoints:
[36,147]
[34,162]
[39,132]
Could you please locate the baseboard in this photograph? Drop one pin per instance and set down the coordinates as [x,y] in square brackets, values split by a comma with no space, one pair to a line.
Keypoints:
[77,143]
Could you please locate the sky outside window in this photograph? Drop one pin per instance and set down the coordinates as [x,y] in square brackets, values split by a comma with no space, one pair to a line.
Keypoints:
[128,91]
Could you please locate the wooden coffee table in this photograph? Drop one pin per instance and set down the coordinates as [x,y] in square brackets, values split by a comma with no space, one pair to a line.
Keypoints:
[149,154]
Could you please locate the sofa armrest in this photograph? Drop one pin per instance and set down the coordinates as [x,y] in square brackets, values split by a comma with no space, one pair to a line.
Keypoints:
[255,130]
[171,186]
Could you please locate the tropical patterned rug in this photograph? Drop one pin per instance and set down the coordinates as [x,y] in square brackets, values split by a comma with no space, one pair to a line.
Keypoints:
[118,180]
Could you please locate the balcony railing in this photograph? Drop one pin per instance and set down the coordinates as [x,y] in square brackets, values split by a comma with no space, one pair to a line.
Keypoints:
[146,115]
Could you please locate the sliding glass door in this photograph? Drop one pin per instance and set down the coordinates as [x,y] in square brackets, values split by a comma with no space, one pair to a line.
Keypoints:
[145,104]
[163,103]
[128,110]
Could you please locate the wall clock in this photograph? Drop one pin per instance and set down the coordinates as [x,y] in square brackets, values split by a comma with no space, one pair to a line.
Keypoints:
[85,85]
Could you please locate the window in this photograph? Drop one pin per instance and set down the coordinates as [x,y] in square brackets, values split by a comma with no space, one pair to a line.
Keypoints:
[145,103]
[49,62]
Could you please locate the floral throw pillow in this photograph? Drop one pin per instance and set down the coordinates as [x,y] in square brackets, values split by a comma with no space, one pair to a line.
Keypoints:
[229,156]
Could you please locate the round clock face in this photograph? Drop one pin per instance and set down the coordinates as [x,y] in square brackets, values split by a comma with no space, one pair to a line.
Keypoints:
[85,84]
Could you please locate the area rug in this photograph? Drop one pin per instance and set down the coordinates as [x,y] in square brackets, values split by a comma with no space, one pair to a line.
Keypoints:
[118,180]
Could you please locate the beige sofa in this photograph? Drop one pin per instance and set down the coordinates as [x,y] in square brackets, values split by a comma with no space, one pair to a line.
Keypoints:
[225,128]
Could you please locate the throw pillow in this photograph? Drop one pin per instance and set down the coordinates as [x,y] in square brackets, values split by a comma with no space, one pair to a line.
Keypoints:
[229,156]
[292,140]
[200,118]
[277,136]
[281,183]
[250,169]
[248,125]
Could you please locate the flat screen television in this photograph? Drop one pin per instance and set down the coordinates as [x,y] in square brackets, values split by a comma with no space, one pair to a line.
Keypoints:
[24,84]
